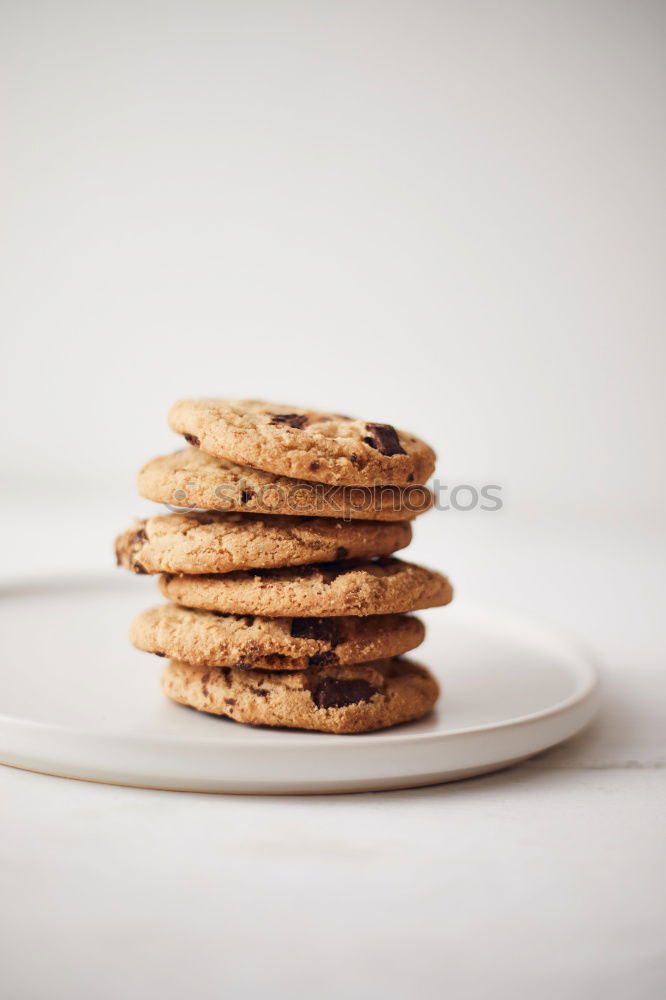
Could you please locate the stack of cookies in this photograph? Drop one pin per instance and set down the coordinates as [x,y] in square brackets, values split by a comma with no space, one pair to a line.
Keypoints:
[286,607]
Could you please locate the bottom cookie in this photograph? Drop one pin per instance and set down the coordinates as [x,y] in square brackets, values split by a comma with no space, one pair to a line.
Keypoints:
[343,699]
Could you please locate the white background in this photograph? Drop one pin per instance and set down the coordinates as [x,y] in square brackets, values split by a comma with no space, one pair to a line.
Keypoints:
[445,216]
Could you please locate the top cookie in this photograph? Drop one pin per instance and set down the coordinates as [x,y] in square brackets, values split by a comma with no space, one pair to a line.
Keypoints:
[303,444]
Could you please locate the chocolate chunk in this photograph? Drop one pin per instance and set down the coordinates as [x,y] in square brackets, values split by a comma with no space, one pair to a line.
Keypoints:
[341,552]
[134,544]
[327,659]
[229,701]
[159,654]
[204,684]
[332,570]
[384,438]
[138,568]
[192,439]
[246,495]
[260,692]
[410,478]
[321,629]
[353,458]
[334,692]
[296,420]
[314,466]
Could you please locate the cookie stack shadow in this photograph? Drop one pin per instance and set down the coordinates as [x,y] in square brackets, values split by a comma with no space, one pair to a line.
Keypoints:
[285,605]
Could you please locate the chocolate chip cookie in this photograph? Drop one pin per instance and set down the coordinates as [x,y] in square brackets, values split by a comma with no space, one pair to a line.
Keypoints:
[355,698]
[220,543]
[190,478]
[249,642]
[303,444]
[383,586]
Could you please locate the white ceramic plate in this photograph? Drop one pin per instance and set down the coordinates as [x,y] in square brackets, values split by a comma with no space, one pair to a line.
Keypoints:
[77,700]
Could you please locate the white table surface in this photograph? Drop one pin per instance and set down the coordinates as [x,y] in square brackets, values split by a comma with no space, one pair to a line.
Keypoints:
[549,877]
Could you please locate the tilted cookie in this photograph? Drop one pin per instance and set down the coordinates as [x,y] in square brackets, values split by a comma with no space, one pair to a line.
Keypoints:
[219,543]
[190,478]
[384,586]
[356,698]
[207,638]
[303,444]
